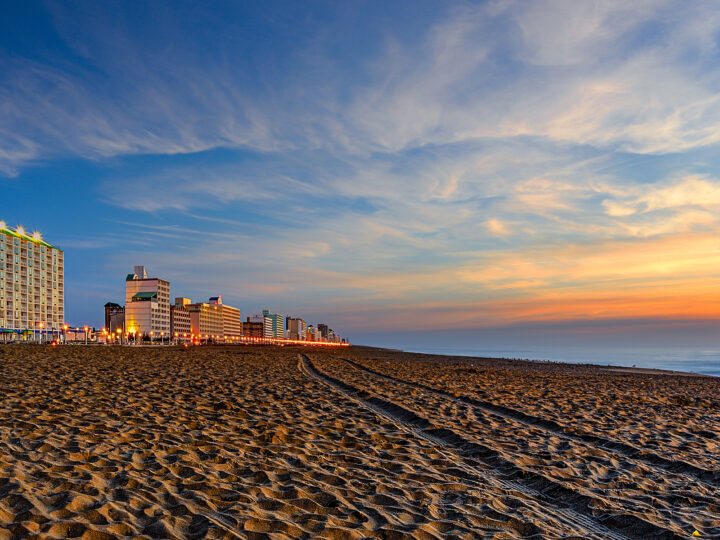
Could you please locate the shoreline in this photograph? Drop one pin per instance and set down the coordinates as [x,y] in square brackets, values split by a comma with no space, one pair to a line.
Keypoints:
[606,367]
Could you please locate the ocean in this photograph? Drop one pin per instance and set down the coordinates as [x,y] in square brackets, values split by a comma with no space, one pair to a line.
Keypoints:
[703,361]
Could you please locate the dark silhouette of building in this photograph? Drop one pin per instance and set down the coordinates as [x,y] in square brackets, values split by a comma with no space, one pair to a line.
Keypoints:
[252,328]
[323,329]
[114,317]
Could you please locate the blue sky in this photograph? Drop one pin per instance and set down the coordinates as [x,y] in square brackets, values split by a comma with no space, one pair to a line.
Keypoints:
[381,166]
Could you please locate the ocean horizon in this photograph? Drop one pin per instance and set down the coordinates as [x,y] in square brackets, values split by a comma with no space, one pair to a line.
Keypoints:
[703,361]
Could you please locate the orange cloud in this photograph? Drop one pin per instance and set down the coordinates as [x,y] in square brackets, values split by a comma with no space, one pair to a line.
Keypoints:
[674,277]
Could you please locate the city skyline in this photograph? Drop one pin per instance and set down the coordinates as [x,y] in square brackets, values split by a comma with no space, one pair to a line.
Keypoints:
[480,165]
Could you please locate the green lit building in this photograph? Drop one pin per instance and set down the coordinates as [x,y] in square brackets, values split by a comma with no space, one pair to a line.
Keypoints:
[274,325]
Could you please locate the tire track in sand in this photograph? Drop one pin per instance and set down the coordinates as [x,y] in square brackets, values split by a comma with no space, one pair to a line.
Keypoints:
[619,447]
[577,515]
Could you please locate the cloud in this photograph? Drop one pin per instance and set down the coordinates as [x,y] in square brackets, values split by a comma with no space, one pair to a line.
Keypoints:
[497,227]
[496,71]
[693,190]
[671,206]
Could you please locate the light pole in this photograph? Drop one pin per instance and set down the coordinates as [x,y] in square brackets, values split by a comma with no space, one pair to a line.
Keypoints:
[40,324]
[86,334]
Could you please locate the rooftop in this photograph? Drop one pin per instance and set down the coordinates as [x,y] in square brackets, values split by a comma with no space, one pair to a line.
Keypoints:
[20,232]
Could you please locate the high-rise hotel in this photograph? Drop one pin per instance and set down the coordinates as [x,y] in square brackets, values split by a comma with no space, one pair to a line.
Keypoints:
[32,285]
[147,304]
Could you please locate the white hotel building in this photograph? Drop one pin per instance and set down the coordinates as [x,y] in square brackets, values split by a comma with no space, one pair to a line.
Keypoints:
[147,304]
[32,285]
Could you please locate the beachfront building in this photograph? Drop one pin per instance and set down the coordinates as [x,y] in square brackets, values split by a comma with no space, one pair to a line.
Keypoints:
[180,325]
[114,318]
[232,326]
[147,305]
[32,285]
[312,334]
[274,325]
[323,330]
[296,328]
[253,326]
[205,320]
[267,327]
[215,320]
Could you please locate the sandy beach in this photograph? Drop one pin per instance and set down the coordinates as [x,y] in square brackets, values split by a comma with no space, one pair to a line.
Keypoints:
[271,442]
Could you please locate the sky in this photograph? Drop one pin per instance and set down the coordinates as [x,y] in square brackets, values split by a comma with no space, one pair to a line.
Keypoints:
[386,167]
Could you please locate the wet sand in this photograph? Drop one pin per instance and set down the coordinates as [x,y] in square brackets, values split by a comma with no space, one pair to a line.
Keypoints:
[243,442]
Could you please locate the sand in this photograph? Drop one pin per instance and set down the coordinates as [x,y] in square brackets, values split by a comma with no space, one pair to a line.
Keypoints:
[242,442]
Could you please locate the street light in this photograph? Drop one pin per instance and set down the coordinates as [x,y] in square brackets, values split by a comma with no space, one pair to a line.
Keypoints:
[41,332]
[86,334]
